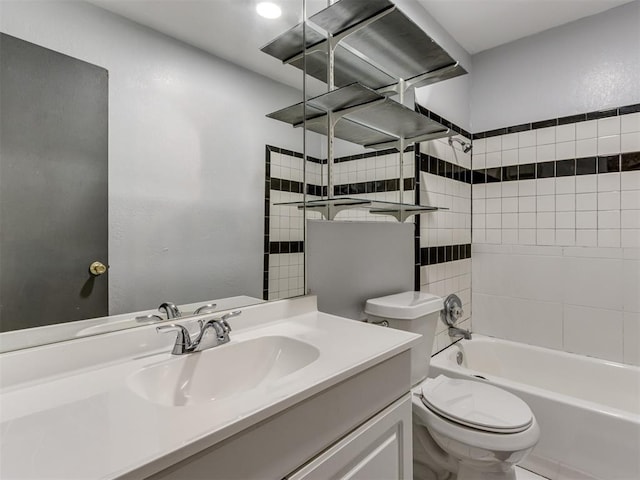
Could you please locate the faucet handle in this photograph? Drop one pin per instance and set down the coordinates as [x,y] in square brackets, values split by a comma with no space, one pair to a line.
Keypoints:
[208,308]
[224,318]
[183,340]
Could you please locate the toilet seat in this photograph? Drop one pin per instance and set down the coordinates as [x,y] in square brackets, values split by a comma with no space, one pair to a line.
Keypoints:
[476,405]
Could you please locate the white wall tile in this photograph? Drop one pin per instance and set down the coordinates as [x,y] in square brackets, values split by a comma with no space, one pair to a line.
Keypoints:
[595,332]
[510,141]
[631,339]
[587,237]
[608,182]
[546,136]
[545,237]
[586,147]
[608,219]
[609,201]
[565,185]
[630,142]
[630,180]
[565,202]
[565,237]
[494,235]
[545,186]
[630,200]
[510,189]
[527,187]
[510,157]
[545,220]
[630,123]
[527,138]
[565,150]
[494,159]
[631,285]
[509,236]
[545,203]
[608,126]
[630,238]
[545,153]
[586,183]
[587,129]
[526,236]
[526,155]
[593,282]
[566,133]
[630,219]
[587,220]
[608,237]
[526,204]
[609,145]
[494,144]
[527,220]
[510,204]
[565,220]
[586,201]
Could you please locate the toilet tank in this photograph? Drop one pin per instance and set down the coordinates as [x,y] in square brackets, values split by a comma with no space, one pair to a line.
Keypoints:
[416,312]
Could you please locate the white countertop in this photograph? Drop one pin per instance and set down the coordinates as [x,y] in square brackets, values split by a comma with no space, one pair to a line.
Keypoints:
[87,423]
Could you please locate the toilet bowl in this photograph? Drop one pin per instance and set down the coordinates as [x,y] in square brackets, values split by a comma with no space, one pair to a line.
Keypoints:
[462,429]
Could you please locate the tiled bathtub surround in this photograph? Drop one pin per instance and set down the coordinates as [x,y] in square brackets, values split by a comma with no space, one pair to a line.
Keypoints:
[556,233]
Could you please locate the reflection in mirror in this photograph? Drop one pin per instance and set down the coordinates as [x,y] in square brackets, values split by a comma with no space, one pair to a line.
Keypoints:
[181,94]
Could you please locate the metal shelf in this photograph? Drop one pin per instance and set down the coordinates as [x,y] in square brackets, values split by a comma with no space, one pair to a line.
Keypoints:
[378,46]
[329,208]
[364,117]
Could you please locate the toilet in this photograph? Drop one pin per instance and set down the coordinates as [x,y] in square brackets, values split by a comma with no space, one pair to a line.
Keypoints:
[462,429]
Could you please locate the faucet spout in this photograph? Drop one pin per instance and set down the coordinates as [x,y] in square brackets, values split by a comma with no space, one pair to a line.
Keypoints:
[170,309]
[459,332]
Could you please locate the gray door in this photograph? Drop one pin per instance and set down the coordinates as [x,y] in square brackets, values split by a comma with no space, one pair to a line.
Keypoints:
[53,186]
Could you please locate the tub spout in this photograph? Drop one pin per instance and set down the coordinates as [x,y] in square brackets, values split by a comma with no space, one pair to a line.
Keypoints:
[459,332]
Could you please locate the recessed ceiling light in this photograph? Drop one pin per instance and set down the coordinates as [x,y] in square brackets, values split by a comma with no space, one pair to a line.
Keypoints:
[268,10]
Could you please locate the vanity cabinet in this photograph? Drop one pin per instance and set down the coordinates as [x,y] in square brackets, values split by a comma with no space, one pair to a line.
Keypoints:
[359,428]
[379,449]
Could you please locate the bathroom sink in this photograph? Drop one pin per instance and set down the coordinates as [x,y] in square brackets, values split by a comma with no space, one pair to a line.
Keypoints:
[222,371]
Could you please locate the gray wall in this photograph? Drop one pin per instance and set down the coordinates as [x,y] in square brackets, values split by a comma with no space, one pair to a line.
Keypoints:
[590,64]
[186,154]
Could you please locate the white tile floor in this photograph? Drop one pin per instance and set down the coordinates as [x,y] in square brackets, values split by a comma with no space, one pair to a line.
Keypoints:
[522,474]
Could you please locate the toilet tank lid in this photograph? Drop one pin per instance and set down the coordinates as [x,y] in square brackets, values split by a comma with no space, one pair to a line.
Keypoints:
[404,306]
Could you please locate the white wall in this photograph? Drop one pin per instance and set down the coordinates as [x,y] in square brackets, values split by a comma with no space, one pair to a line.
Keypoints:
[587,65]
[186,154]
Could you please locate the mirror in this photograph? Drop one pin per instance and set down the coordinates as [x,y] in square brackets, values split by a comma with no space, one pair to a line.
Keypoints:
[188,150]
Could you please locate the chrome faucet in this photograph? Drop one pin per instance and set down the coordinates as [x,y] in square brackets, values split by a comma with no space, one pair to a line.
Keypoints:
[170,309]
[459,332]
[212,333]
[451,314]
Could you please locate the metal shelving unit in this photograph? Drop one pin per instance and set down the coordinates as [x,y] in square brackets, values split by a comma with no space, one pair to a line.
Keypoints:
[365,52]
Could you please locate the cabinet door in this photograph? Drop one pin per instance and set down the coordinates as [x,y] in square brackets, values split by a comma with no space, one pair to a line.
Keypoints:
[379,449]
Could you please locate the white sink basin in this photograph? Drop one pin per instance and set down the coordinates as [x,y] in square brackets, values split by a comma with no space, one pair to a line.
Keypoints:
[221,371]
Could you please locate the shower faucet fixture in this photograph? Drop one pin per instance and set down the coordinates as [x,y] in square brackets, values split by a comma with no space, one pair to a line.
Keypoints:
[466,147]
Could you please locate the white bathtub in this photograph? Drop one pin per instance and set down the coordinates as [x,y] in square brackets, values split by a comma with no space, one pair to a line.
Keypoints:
[588,409]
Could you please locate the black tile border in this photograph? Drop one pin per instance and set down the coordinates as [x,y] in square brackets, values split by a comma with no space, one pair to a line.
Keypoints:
[444,254]
[623,162]
[434,116]
[442,168]
[552,122]
[286,247]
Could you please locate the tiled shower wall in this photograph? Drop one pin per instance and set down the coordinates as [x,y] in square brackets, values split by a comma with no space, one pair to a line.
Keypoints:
[443,239]
[556,233]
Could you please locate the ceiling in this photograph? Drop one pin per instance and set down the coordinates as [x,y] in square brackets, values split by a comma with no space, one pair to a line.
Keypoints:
[232,30]
[479,25]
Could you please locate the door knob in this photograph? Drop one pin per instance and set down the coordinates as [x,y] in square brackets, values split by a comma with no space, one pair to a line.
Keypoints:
[97,268]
